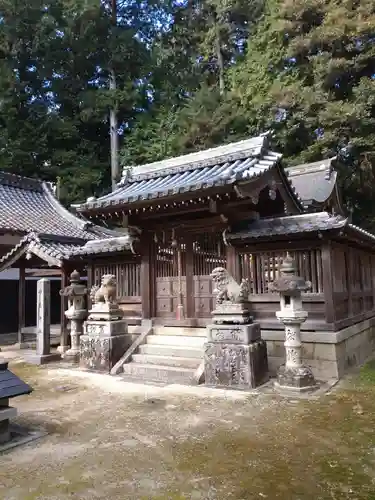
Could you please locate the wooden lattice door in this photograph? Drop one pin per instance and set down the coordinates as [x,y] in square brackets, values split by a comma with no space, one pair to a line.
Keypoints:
[208,253]
[170,279]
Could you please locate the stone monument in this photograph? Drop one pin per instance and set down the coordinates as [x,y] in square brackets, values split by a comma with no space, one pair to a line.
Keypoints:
[235,355]
[76,314]
[106,336]
[10,387]
[294,375]
[43,353]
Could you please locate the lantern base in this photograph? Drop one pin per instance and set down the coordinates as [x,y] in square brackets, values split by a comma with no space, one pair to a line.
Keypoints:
[298,378]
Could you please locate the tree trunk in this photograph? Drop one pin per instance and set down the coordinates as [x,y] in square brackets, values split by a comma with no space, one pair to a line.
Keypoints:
[220,61]
[113,124]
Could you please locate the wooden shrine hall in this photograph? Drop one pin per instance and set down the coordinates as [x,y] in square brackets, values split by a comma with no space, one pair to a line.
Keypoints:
[170,223]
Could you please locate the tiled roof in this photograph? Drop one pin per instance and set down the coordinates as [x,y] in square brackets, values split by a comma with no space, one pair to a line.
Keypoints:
[11,385]
[30,205]
[288,225]
[108,245]
[54,250]
[314,182]
[214,167]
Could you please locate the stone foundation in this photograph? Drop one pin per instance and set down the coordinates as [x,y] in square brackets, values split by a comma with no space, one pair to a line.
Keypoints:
[6,413]
[235,356]
[102,353]
[329,354]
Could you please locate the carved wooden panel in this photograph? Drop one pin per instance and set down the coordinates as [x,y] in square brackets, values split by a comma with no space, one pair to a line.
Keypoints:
[167,297]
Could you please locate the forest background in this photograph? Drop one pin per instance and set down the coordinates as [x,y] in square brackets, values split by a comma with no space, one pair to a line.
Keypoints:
[190,75]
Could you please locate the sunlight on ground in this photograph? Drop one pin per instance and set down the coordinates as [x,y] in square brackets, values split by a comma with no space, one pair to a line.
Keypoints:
[108,439]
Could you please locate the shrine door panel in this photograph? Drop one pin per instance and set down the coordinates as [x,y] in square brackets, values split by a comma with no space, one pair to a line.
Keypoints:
[170,280]
[208,253]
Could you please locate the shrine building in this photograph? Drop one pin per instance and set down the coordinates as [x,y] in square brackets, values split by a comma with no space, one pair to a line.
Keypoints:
[170,223]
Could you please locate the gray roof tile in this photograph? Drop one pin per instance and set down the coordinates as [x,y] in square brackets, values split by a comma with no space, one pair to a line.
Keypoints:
[30,205]
[314,182]
[11,385]
[188,173]
[285,226]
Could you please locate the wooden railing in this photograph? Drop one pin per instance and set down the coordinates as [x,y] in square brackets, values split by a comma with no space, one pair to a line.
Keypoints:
[128,277]
[261,268]
[353,283]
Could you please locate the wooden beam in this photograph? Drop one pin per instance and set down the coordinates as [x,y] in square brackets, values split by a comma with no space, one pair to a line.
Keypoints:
[64,337]
[190,306]
[328,282]
[41,273]
[146,286]
[21,303]
[233,263]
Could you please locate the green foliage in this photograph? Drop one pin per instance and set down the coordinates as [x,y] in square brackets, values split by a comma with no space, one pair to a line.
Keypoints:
[54,66]
[223,70]
[309,75]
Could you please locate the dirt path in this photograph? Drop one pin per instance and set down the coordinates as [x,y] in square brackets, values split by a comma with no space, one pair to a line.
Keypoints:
[112,440]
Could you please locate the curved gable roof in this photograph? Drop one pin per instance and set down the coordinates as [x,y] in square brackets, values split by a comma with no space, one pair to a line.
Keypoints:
[226,165]
[30,205]
[314,182]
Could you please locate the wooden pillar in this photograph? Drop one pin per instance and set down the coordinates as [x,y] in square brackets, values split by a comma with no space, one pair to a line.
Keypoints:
[190,305]
[147,274]
[328,282]
[350,281]
[233,263]
[21,302]
[64,337]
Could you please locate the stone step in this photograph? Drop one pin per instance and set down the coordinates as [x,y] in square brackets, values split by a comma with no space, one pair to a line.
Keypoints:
[176,330]
[176,340]
[177,361]
[158,373]
[172,350]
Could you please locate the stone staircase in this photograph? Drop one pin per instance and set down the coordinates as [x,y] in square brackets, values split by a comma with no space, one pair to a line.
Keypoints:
[170,355]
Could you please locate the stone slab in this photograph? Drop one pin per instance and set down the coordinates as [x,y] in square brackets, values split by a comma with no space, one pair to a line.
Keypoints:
[113,328]
[236,365]
[234,334]
[299,379]
[105,312]
[7,412]
[100,353]
[19,436]
[43,317]
[42,359]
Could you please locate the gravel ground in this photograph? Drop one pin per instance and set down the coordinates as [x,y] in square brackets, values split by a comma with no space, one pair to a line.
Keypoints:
[108,439]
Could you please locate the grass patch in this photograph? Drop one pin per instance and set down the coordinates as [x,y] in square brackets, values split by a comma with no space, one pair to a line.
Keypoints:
[367,373]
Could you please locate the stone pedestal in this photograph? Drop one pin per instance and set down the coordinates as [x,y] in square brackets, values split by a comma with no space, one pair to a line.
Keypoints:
[6,413]
[103,344]
[235,356]
[105,312]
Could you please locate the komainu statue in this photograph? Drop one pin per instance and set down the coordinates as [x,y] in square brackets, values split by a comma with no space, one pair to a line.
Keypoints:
[227,289]
[105,293]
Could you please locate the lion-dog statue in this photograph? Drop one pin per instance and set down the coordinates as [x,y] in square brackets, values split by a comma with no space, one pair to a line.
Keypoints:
[227,289]
[105,293]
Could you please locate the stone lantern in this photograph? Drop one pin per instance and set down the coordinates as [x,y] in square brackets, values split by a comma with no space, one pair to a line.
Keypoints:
[294,374]
[10,387]
[76,313]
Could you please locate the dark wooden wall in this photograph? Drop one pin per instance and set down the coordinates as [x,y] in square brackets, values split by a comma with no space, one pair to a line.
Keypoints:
[352,284]
[9,304]
[342,278]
